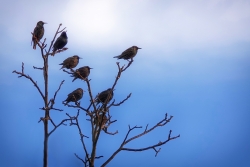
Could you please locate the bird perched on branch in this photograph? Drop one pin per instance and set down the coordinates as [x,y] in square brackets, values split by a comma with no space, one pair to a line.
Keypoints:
[105,96]
[74,96]
[38,33]
[81,73]
[129,53]
[61,41]
[101,119]
[70,62]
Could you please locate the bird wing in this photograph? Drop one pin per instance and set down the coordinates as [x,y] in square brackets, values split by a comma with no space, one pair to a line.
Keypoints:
[127,53]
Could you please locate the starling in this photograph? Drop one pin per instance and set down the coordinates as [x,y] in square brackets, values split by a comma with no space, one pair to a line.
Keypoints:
[38,33]
[70,62]
[81,73]
[102,120]
[60,42]
[105,96]
[129,53]
[74,96]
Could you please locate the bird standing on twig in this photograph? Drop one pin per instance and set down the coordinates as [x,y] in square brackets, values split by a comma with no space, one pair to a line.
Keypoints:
[129,53]
[61,41]
[81,73]
[74,96]
[38,33]
[105,96]
[70,62]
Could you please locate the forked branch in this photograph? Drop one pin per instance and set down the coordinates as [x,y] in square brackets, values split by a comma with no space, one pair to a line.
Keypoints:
[146,131]
[87,159]
[22,74]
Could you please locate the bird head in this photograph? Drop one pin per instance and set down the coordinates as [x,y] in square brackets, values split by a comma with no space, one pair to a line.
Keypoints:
[109,89]
[63,34]
[88,67]
[75,56]
[41,23]
[80,89]
[135,47]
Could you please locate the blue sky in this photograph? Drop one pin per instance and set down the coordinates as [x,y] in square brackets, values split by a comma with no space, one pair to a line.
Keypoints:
[194,65]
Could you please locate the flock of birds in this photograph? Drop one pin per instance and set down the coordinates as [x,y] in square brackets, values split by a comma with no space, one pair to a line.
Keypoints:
[72,62]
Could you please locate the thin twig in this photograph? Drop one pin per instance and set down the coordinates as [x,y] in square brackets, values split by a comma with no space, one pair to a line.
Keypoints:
[111,133]
[118,104]
[153,146]
[21,74]
[37,68]
[56,126]
[52,101]
[146,131]
[80,159]
[81,134]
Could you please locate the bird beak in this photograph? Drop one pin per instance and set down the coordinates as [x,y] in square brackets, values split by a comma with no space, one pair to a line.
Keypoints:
[139,48]
[80,58]
[45,23]
[90,68]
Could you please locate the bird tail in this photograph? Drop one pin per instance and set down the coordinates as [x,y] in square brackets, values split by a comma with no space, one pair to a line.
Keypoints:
[62,66]
[34,45]
[118,57]
[34,42]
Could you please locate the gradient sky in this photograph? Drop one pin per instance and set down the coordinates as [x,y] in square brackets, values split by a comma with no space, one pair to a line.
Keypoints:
[194,64]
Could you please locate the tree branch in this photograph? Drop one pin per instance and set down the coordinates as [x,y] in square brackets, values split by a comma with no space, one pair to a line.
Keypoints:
[153,146]
[21,74]
[77,106]
[118,104]
[84,162]
[57,32]
[110,133]
[130,62]
[52,101]
[37,68]
[81,135]
[146,131]
[56,126]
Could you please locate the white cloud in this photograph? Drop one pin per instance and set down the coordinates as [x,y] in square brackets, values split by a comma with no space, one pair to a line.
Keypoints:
[161,25]
[179,24]
[100,30]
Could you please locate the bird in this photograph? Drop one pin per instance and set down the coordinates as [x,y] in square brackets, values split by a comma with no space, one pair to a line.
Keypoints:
[128,53]
[81,73]
[74,96]
[61,41]
[101,119]
[38,33]
[70,62]
[105,96]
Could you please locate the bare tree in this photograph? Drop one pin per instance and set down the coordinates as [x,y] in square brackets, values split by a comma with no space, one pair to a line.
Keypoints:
[48,104]
[98,111]
[100,120]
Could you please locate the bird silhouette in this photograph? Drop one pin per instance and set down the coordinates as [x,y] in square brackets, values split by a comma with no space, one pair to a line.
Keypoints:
[105,96]
[129,53]
[61,41]
[81,73]
[70,62]
[38,33]
[74,96]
